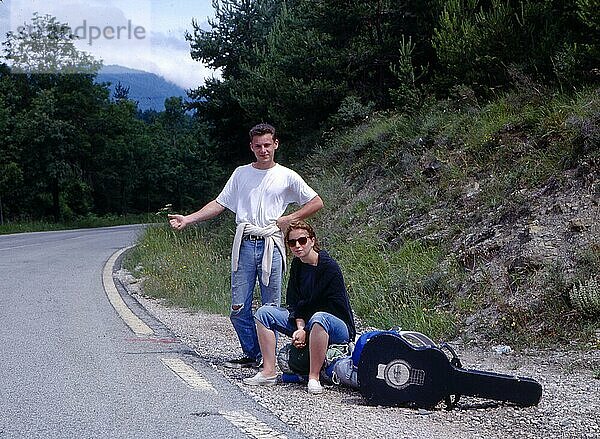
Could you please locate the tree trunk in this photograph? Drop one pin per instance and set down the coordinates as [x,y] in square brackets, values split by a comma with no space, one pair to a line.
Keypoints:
[1,213]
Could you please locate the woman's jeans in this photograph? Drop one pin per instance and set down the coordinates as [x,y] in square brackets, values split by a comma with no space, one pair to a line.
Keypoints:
[277,319]
[243,282]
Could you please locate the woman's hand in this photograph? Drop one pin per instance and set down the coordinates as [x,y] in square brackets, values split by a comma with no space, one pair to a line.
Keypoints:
[299,338]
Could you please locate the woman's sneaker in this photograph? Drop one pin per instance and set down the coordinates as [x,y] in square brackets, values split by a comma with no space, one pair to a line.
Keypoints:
[260,380]
[314,387]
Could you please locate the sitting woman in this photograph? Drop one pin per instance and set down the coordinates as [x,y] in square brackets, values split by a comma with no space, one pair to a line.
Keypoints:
[317,304]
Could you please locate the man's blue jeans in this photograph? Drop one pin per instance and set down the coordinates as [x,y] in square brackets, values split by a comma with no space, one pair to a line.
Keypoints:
[242,288]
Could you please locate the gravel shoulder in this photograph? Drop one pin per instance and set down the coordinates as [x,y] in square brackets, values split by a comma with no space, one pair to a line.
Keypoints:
[569,408]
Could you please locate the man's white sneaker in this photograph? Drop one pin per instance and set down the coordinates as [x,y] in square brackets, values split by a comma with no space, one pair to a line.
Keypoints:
[314,387]
[260,380]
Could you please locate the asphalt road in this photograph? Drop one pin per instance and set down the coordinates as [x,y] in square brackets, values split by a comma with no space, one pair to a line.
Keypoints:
[71,368]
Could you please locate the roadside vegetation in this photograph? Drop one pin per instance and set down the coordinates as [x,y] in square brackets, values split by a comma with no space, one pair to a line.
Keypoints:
[189,269]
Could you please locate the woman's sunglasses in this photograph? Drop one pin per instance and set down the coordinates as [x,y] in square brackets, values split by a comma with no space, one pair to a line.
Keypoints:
[302,241]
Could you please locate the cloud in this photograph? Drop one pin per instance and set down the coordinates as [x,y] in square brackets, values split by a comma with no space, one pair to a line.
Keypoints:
[169,59]
[165,55]
[132,33]
[169,41]
[174,62]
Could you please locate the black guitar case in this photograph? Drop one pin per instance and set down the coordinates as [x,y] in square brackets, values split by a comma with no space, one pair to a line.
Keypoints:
[393,371]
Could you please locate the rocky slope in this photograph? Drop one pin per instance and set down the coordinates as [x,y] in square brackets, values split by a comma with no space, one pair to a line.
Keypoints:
[523,258]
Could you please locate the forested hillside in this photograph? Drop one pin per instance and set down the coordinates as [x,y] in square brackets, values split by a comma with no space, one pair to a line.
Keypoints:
[310,66]
[455,144]
[148,90]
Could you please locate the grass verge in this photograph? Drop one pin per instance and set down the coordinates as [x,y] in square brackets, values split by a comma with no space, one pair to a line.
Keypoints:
[189,269]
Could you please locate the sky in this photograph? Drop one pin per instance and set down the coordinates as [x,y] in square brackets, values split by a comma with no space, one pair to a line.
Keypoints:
[140,34]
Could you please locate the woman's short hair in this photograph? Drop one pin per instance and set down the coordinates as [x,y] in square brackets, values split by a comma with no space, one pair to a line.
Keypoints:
[303,225]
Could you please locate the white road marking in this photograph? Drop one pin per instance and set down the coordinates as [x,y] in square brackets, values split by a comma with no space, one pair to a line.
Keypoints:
[130,319]
[252,426]
[188,374]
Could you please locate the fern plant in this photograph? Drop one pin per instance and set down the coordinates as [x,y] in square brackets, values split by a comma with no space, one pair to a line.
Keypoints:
[585,296]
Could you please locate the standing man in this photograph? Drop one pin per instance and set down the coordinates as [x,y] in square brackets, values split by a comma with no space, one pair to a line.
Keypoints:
[258,194]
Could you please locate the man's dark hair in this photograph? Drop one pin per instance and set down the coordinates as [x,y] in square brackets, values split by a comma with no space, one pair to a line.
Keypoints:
[263,128]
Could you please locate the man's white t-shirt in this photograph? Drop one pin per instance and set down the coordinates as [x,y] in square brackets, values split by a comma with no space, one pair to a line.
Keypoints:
[260,196]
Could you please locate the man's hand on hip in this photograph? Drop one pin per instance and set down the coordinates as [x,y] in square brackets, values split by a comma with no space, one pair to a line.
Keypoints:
[284,222]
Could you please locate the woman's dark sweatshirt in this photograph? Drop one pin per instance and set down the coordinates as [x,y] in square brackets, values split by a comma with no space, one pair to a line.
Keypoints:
[321,288]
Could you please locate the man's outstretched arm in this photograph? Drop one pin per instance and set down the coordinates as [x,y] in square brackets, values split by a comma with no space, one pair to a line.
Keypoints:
[210,210]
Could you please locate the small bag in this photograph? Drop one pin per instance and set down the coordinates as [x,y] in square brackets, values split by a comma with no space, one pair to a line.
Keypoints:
[335,353]
[293,361]
[283,357]
[299,360]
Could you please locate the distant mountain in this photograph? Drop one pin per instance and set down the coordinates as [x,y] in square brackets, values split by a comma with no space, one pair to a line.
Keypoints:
[148,89]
